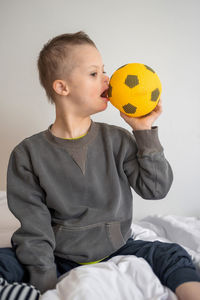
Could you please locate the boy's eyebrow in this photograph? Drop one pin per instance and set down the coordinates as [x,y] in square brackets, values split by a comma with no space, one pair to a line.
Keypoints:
[96,66]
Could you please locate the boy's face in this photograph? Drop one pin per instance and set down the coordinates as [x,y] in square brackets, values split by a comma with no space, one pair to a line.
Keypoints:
[87,81]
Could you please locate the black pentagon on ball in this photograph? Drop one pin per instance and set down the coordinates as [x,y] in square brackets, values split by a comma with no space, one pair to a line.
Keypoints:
[109,91]
[131,81]
[155,94]
[129,108]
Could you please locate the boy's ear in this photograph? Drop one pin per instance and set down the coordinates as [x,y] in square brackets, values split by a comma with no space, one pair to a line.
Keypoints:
[60,87]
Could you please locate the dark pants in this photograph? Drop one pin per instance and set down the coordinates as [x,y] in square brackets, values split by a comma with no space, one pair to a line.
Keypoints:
[170,262]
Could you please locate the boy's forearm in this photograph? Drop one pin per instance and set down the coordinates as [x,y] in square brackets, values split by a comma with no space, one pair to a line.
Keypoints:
[149,173]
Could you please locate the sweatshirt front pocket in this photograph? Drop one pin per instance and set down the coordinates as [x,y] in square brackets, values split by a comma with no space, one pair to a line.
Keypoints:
[88,243]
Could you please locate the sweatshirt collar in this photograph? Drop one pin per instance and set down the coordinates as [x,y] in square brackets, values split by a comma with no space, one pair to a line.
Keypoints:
[91,134]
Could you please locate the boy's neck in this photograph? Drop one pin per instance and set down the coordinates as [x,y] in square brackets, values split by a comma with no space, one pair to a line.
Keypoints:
[67,127]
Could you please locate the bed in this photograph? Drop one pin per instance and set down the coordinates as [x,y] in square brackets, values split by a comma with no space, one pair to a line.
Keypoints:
[122,277]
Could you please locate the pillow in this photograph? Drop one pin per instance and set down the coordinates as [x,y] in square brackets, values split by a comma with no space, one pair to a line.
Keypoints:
[8,222]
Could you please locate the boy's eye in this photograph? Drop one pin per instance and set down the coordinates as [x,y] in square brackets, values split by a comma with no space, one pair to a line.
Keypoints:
[94,74]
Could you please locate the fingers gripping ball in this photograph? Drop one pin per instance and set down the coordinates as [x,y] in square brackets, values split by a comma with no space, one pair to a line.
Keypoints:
[134,89]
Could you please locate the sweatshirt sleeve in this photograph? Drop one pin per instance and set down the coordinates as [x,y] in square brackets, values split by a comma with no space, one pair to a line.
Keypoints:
[148,171]
[34,241]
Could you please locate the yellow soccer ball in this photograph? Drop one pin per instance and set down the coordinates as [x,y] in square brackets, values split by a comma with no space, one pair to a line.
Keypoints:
[134,89]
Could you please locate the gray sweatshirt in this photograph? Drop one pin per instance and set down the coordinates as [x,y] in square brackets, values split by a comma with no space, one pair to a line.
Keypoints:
[73,198]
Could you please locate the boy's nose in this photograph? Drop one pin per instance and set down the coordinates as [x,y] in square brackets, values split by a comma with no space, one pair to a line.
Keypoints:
[106,79]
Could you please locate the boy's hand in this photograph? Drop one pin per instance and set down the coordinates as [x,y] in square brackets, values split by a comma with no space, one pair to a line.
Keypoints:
[145,122]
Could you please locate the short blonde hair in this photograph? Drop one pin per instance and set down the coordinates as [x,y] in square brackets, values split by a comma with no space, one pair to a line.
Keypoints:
[52,58]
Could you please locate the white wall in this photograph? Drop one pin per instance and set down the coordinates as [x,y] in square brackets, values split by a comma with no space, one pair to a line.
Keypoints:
[162,34]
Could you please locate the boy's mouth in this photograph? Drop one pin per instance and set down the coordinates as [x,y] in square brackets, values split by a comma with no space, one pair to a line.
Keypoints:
[105,94]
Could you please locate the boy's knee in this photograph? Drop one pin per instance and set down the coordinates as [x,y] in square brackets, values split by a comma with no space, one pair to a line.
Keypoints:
[172,259]
[178,253]
[173,254]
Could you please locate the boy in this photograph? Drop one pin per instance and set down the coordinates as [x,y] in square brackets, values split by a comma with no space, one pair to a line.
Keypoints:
[70,185]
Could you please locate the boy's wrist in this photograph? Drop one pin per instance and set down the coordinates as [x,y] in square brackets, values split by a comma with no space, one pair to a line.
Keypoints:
[148,141]
[43,279]
[139,128]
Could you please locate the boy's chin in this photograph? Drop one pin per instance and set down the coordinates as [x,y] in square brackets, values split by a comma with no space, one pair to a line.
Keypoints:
[100,109]
[104,106]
